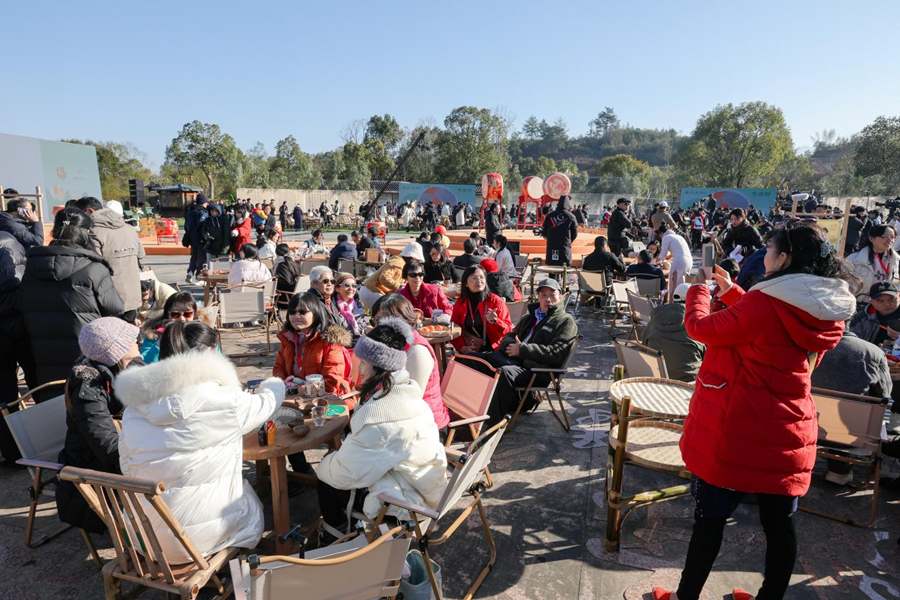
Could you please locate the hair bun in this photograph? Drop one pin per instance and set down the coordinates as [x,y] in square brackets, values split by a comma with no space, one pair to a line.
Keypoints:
[398,325]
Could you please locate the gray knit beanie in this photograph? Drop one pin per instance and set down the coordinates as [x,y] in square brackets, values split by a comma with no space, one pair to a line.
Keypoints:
[107,339]
[381,354]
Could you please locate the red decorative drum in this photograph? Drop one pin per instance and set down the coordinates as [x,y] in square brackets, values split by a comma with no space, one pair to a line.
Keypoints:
[492,186]
[557,185]
[166,227]
[533,187]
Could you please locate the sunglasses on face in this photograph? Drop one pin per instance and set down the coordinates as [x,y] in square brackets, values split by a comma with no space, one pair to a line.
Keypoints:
[349,286]
[326,281]
[174,314]
[416,275]
[300,312]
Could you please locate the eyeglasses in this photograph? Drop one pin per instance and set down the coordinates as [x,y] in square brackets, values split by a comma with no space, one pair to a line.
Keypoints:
[349,286]
[418,275]
[187,314]
[326,281]
[300,312]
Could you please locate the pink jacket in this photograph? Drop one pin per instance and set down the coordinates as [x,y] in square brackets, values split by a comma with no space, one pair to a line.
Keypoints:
[430,297]
[432,395]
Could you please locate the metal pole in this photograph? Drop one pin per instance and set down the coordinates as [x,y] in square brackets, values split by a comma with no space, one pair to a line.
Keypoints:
[374,203]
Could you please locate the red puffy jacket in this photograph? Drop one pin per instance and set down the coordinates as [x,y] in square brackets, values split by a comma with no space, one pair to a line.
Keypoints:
[752,425]
[495,331]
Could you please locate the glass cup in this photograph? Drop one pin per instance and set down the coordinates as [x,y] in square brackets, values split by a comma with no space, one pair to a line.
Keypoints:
[318,415]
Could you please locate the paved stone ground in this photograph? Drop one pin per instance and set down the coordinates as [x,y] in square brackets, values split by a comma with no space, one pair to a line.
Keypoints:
[548,516]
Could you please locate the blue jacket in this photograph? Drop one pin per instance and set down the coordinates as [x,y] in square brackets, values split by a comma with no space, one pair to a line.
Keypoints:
[194,217]
[752,270]
[345,250]
[646,269]
[27,234]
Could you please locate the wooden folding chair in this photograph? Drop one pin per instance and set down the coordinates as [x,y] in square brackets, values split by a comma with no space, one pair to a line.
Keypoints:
[848,423]
[306,266]
[517,310]
[243,307]
[322,574]
[124,503]
[39,431]
[592,285]
[640,360]
[467,394]
[648,287]
[554,385]
[620,299]
[469,478]
[373,255]
[269,262]
[641,309]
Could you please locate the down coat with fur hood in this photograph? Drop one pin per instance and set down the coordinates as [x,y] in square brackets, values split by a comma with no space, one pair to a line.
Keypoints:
[322,354]
[184,421]
[393,448]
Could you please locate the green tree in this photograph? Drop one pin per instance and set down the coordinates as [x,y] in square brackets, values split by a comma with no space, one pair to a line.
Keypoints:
[605,121]
[578,178]
[554,137]
[736,146]
[474,142]
[292,168]
[878,150]
[531,129]
[421,164]
[255,167]
[386,130]
[203,146]
[620,165]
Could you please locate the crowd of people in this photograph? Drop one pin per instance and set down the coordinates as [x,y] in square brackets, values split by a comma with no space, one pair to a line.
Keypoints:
[151,395]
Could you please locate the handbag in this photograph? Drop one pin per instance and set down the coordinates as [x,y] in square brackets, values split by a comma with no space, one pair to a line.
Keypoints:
[473,341]
[186,240]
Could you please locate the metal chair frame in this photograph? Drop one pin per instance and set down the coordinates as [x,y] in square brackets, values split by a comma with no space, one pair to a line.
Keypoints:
[554,385]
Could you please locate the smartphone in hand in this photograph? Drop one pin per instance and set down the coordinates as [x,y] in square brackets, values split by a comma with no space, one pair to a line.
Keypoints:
[708,260]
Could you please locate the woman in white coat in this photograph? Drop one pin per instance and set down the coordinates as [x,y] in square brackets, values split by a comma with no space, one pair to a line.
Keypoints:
[183,425]
[393,445]
[248,269]
[675,248]
[878,261]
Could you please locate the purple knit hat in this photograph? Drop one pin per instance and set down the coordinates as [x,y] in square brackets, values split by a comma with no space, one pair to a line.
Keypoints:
[107,339]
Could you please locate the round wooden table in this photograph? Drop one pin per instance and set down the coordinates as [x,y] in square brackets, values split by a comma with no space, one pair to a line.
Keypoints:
[273,459]
[210,282]
[439,342]
[654,397]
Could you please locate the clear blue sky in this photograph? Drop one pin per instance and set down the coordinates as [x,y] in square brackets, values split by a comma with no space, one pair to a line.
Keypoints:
[136,72]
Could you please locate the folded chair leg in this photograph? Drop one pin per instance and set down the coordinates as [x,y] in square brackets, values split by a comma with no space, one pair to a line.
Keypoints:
[91,548]
[490,566]
[522,402]
[37,487]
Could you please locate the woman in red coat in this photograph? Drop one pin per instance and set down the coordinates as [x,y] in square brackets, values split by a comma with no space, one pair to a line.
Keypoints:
[483,316]
[427,297]
[240,231]
[752,425]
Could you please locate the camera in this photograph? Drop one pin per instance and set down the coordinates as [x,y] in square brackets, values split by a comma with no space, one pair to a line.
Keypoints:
[890,204]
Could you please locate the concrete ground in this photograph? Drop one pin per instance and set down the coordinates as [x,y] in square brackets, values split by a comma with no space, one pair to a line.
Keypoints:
[548,516]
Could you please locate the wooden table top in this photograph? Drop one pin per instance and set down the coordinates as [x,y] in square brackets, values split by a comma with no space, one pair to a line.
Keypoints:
[454,332]
[214,277]
[287,442]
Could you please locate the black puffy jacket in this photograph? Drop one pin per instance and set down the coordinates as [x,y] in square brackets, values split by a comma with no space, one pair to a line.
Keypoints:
[63,289]
[560,228]
[216,232]
[92,441]
[12,267]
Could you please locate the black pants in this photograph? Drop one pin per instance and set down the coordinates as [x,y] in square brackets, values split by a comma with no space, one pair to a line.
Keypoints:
[615,247]
[14,353]
[333,504]
[512,375]
[714,506]
[198,259]
[697,238]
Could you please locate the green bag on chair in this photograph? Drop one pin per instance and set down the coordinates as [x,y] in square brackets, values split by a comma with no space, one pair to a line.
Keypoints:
[417,586]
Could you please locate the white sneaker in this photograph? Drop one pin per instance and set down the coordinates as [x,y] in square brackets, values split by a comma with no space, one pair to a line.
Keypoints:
[894,423]
[194,281]
[839,478]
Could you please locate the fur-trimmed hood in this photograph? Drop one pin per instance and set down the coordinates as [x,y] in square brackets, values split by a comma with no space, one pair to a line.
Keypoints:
[173,389]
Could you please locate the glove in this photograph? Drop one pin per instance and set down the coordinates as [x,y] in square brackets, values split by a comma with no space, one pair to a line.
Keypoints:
[234,233]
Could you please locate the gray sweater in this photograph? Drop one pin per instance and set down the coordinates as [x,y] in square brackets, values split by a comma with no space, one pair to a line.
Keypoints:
[854,367]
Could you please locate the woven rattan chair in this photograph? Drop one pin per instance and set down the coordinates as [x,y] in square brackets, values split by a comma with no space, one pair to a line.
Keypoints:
[554,385]
[376,569]
[850,431]
[124,503]
[652,445]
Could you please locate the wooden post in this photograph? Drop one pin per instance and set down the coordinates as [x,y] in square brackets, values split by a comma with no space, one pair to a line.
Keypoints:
[846,221]
[614,479]
[38,200]
[2,198]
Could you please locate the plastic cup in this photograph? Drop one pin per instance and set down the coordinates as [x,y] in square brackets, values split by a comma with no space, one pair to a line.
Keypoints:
[318,415]
[314,385]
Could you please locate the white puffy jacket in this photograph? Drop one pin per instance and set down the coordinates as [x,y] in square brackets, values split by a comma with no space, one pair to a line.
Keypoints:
[183,423]
[867,272]
[393,448]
